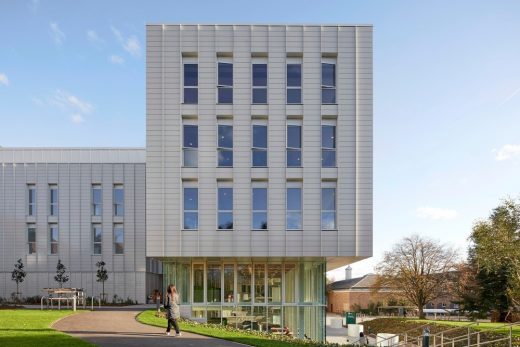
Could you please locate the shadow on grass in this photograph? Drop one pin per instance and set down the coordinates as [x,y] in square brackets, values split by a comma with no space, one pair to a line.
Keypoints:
[42,339]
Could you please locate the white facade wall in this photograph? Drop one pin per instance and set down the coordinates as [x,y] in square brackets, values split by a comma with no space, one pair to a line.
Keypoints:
[73,171]
[351,46]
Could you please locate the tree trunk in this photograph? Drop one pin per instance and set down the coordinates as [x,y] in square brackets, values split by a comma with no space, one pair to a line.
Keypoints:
[421,312]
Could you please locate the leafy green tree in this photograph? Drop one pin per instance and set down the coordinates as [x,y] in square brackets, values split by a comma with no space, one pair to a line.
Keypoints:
[18,274]
[102,276]
[495,255]
[61,276]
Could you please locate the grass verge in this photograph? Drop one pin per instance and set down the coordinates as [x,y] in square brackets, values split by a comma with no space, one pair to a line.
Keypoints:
[32,328]
[251,338]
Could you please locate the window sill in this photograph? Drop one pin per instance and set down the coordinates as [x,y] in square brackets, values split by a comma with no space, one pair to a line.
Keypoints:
[189,229]
[293,229]
[259,229]
[329,229]
[224,229]
[295,104]
[332,104]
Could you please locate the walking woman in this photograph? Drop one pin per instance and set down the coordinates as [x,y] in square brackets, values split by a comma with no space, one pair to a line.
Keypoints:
[172,310]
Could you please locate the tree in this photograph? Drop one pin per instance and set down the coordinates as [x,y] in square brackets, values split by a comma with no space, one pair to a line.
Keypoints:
[418,269]
[102,276]
[494,254]
[61,277]
[18,274]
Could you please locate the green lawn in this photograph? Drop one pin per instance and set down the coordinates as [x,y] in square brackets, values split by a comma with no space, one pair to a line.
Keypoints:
[241,336]
[32,328]
[499,327]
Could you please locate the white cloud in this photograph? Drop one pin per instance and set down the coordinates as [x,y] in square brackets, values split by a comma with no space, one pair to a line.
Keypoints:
[3,79]
[436,213]
[507,152]
[94,38]
[77,118]
[71,104]
[130,43]
[57,35]
[115,59]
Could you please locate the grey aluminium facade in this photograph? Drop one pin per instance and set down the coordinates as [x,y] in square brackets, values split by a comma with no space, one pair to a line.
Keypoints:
[78,205]
[259,167]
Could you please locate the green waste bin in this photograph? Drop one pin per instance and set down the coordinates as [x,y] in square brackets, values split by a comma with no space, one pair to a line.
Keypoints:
[350,317]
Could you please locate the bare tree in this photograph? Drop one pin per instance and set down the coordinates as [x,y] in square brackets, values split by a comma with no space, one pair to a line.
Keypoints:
[418,269]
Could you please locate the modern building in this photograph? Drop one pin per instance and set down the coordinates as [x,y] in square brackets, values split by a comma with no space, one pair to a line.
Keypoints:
[255,181]
[258,167]
[80,206]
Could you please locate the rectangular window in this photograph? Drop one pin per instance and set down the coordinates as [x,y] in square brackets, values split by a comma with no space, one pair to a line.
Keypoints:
[225,208]
[290,282]
[191,208]
[328,208]
[97,200]
[190,145]
[229,283]
[328,146]
[214,283]
[31,200]
[225,83]
[259,282]
[119,239]
[259,208]
[259,84]
[294,146]
[294,83]
[328,83]
[191,83]
[198,282]
[294,208]
[53,238]
[225,145]
[244,274]
[53,200]
[274,283]
[31,238]
[119,200]
[97,239]
[259,150]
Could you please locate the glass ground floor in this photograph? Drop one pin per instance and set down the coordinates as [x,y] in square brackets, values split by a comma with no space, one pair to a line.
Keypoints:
[280,296]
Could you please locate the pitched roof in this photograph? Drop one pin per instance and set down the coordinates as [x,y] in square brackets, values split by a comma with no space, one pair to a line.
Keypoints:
[365,282]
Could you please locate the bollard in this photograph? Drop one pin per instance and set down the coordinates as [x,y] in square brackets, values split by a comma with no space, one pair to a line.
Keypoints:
[426,337]
[74,303]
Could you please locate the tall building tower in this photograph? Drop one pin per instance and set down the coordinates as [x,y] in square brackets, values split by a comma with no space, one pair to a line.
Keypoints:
[259,167]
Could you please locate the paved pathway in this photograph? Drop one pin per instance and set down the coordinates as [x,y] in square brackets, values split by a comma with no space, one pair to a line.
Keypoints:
[119,328]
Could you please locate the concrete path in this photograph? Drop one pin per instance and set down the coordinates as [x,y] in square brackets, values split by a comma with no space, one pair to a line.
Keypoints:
[119,328]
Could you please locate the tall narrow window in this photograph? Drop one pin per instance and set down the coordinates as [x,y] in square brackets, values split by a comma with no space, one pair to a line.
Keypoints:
[259,208]
[259,282]
[97,239]
[259,84]
[198,282]
[191,83]
[53,200]
[225,145]
[294,83]
[31,238]
[259,150]
[214,283]
[225,83]
[119,239]
[119,200]
[294,146]
[328,146]
[225,208]
[244,274]
[31,200]
[328,83]
[274,283]
[190,145]
[53,238]
[191,208]
[97,200]
[328,208]
[294,208]
[229,283]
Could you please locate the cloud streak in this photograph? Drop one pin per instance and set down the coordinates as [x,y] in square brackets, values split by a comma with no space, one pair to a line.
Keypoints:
[72,105]
[115,59]
[57,35]
[436,213]
[130,44]
[511,96]
[507,152]
[3,79]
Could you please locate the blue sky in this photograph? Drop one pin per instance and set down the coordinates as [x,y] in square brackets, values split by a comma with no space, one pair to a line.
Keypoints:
[446,93]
